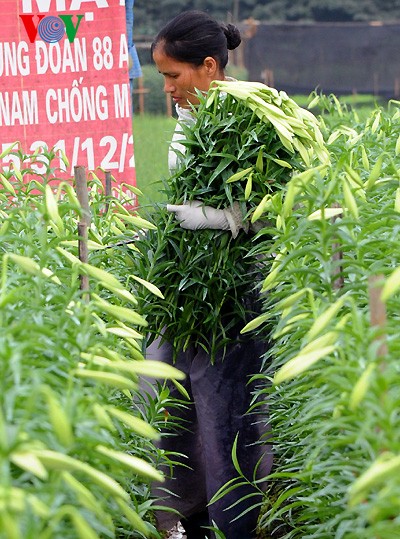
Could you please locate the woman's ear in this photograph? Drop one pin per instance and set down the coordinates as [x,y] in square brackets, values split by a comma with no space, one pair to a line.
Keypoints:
[211,66]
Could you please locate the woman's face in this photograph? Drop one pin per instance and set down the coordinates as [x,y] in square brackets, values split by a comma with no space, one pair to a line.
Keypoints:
[182,78]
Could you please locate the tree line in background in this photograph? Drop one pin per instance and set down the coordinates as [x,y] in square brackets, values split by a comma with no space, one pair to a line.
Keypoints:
[150,15]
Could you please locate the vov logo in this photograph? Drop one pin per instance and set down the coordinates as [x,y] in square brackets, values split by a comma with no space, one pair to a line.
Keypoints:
[50,28]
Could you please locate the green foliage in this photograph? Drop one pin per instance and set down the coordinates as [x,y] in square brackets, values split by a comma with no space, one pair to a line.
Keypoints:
[152,135]
[150,16]
[155,98]
[333,365]
[76,457]
[324,10]
[235,160]
[237,72]
[72,420]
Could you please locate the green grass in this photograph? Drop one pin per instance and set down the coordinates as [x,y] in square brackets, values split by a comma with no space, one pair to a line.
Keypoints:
[152,135]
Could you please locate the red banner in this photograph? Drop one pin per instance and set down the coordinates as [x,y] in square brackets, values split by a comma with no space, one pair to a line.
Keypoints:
[64,84]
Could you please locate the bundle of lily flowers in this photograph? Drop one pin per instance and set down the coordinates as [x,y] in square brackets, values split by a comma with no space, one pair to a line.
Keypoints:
[245,143]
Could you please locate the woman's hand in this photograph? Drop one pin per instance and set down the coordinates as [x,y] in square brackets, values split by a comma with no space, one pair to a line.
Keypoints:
[194,216]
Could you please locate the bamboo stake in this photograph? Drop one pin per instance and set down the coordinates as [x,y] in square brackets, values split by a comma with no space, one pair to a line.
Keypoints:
[82,193]
[377,309]
[337,257]
[108,189]
[84,223]
[83,253]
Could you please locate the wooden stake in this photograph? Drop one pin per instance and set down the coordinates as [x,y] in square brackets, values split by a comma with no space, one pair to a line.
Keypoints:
[337,257]
[141,91]
[84,223]
[377,310]
[83,252]
[108,189]
[82,193]
[169,104]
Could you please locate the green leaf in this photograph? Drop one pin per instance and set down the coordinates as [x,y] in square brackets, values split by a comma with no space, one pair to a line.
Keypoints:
[391,286]
[29,462]
[360,389]
[82,528]
[234,456]
[384,467]
[52,209]
[54,460]
[137,465]
[256,322]
[120,313]
[157,369]
[101,275]
[134,423]
[375,173]
[323,319]
[137,221]
[133,517]
[8,149]
[108,378]
[301,363]
[325,213]
[239,175]
[151,287]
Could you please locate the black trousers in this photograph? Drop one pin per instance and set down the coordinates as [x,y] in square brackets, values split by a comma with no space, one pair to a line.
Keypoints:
[221,396]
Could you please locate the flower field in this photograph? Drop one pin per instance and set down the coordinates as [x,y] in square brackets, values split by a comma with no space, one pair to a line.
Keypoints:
[77,452]
[331,303]
[77,456]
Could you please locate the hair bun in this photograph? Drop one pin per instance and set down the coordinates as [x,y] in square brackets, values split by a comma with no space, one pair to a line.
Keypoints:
[233,37]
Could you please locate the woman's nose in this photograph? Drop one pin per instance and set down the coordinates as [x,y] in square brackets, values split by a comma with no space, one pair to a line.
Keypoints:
[168,87]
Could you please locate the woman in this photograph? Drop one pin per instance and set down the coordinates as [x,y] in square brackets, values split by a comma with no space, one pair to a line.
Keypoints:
[190,52]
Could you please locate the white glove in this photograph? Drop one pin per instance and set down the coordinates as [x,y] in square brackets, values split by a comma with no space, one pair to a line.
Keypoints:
[194,216]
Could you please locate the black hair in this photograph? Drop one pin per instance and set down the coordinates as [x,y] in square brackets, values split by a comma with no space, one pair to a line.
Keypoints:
[193,35]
